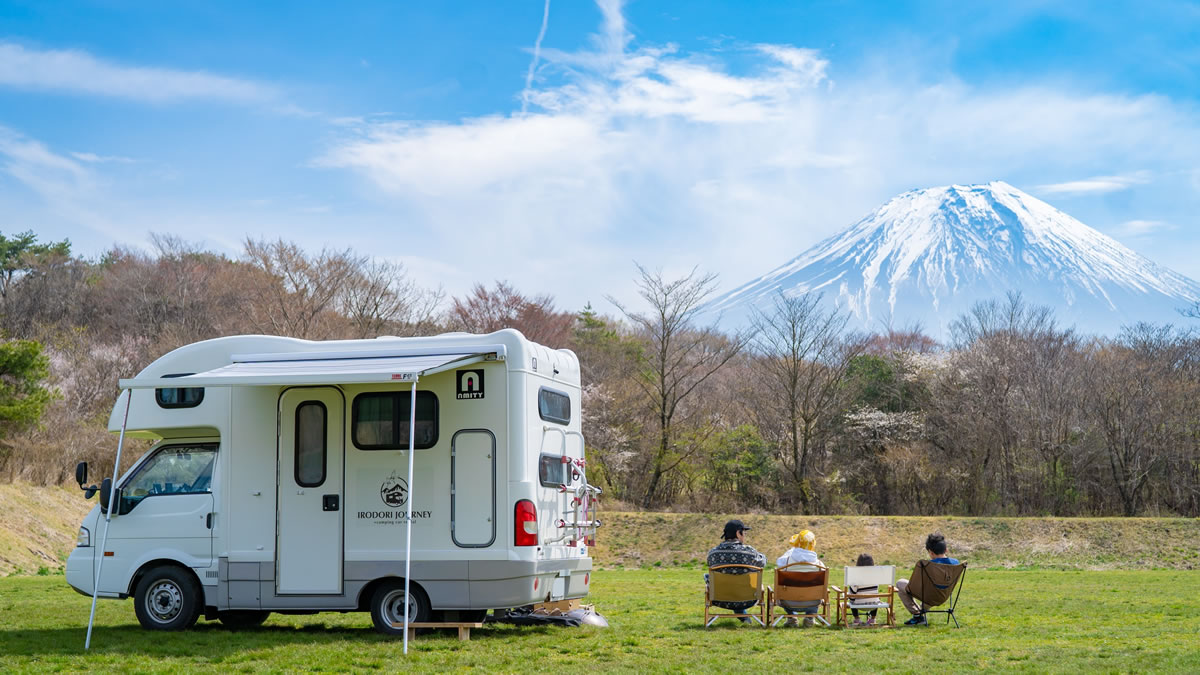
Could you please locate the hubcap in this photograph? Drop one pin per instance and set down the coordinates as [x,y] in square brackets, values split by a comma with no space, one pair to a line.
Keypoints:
[164,601]
[393,607]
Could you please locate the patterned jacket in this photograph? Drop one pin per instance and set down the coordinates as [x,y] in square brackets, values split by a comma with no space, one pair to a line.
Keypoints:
[735,553]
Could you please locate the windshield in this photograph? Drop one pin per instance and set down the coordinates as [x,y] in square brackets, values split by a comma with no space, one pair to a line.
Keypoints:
[172,470]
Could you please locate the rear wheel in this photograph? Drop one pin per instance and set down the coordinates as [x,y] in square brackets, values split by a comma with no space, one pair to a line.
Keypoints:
[388,603]
[243,618]
[167,598]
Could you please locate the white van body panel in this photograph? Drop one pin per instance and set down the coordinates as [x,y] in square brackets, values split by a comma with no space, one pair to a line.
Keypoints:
[276,543]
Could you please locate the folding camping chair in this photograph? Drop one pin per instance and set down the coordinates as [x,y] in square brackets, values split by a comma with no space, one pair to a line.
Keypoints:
[932,584]
[724,586]
[880,577]
[797,586]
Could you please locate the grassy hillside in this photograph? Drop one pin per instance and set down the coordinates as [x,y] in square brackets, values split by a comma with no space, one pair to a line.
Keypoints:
[38,526]
[636,539]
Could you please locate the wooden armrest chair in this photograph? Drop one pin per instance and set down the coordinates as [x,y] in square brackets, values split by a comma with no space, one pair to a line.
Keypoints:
[724,585]
[932,585]
[880,577]
[799,586]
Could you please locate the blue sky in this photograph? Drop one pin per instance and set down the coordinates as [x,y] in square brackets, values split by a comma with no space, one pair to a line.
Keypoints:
[729,135]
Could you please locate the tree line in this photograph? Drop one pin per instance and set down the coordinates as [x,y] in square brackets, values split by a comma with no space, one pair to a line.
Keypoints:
[1015,414]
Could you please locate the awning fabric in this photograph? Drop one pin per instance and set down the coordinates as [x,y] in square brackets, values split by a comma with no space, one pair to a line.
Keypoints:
[315,371]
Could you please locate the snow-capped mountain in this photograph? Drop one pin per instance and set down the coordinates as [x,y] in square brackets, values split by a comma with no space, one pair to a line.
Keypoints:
[927,255]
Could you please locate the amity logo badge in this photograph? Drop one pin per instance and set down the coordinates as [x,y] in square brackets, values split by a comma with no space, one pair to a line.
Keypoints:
[470,384]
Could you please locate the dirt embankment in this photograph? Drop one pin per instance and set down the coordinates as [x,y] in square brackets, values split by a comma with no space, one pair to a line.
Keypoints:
[38,526]
[636,539]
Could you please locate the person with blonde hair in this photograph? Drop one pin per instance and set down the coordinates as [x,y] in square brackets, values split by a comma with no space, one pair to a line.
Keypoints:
[803,550]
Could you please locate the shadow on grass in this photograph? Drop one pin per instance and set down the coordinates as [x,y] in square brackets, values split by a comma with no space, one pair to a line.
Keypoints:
[217,642]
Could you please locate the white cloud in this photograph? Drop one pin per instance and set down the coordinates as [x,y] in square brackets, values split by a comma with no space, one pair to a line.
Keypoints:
[1138,228]
[79,72]
[674,159]
[93,158]
[67,188]
[537,54]
[1097,184]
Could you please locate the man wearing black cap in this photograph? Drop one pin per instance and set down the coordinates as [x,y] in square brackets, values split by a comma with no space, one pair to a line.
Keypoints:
[735,551]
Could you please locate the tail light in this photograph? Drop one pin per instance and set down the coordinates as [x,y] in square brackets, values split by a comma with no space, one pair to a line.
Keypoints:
[525,527]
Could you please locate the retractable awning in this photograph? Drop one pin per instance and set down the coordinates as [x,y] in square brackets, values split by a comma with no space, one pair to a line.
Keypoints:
[328,368]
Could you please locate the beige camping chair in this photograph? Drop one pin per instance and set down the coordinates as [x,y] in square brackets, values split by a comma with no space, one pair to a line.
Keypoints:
[741,587]
[880,577]
[797,586]
[932,584]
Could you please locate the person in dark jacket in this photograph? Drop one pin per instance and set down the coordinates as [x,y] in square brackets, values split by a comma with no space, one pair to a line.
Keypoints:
[733,550]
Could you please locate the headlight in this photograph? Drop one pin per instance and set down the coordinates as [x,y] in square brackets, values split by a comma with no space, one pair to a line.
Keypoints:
[84,538]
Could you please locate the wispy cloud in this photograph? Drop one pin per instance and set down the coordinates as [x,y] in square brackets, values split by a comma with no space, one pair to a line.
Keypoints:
[65,186]
[93,158]
[1096,184]
[1139,228]
[678,158]
[78,72]
[537,54]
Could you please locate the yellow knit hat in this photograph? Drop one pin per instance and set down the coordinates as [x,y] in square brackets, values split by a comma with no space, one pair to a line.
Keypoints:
[804,539]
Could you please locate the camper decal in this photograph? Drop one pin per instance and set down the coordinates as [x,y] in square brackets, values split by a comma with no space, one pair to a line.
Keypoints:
[470,383]
[394,491]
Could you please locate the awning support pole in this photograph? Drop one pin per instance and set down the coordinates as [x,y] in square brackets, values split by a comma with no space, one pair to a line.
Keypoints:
[412,435]
[112,497]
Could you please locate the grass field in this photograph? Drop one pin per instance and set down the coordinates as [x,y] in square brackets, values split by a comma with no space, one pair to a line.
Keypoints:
[1037,621]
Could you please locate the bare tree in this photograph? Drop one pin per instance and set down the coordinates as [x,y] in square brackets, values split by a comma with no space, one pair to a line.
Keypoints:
[379,296]
[803,357]
[484,311]
[1134,391]
[306,291]
[679,357]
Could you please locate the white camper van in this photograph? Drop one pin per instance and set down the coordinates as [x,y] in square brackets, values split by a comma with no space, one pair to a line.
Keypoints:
[278,481]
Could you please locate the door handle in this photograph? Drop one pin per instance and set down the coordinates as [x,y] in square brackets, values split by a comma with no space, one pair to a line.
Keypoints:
[329,502]
[208,520]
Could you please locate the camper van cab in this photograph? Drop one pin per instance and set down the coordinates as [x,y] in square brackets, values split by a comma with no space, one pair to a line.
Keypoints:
[278,481]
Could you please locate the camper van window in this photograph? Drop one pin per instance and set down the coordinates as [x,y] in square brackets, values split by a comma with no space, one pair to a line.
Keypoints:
[172,470]
[381,420]
[554,406]
[179,397]
[552,471]
[311,434]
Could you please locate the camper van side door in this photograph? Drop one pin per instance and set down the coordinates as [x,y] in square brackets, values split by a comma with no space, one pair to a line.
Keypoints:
[309,547]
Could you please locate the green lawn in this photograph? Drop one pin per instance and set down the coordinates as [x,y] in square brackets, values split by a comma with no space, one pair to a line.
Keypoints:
[1012,620]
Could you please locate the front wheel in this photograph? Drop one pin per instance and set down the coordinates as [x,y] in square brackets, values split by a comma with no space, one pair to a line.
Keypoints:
[243,618]
[167,598]
[387,607]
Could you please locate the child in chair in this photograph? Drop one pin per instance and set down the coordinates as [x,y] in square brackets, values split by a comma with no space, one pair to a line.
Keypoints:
[865,560]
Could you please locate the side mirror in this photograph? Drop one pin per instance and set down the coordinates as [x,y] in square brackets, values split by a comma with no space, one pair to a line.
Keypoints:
[81,473]
[105,494]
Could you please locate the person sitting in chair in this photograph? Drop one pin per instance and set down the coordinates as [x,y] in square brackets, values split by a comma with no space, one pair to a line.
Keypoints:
[733,550]
[935,546]
[803,550]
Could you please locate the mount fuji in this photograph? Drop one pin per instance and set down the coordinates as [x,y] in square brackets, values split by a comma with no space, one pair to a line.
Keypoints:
[928,255]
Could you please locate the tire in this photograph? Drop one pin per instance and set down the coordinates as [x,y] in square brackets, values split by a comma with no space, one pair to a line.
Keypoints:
[387,606]
[167,598]
[242,618]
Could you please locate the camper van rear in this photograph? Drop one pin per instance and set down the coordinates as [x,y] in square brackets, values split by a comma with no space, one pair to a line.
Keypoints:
[279,481]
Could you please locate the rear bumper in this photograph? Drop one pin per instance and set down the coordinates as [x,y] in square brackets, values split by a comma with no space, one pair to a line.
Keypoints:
[506,583]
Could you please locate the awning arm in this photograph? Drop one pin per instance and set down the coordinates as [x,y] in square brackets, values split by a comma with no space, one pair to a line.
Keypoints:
[412,434]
